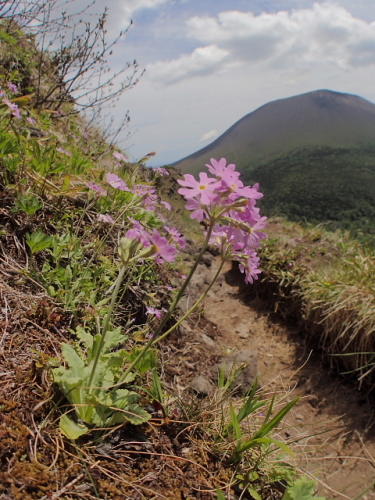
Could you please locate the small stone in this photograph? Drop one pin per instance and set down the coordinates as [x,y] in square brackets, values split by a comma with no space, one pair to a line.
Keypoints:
[299,416]
[202,386]
[233,316]
[206,340]
[244,335]
[185,327]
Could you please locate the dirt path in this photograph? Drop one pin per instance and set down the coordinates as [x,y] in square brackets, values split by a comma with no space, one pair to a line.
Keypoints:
[333,424]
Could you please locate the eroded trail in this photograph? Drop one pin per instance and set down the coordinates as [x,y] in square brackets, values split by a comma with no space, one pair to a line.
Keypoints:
[332,426]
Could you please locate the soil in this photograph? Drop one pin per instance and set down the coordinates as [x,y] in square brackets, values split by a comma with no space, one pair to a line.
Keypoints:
[331,429]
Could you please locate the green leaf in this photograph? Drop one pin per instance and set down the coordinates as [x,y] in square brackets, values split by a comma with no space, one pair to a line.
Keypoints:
[220,495]
[114,338]
[133,414]
[70,429]
[147,362]
[123,398]
[235,424]
[157,390]
[84,336]
[28,203]
[39,241]
[253,443]
[71,357]
[301,489]
[253,493]
[267,427]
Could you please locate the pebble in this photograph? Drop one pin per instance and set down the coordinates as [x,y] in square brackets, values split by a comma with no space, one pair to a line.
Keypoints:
[202,386]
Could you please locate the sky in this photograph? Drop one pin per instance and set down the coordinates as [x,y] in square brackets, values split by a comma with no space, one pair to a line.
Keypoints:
[208,63]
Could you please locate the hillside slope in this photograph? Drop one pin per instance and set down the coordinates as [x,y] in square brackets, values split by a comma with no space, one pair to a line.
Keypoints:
[319,118]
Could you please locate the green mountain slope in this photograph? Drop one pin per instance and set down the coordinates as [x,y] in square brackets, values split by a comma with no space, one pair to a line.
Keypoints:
[321,184]
[320,118]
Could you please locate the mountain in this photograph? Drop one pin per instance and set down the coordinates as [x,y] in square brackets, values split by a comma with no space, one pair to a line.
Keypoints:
[319,118]
[313,156]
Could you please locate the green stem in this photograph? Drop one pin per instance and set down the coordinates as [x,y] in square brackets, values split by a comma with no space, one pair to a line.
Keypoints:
[186,282]
[107,322]
[154,340]
[192,309]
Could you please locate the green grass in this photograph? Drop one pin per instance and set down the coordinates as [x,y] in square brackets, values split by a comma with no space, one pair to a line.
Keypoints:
[325,281]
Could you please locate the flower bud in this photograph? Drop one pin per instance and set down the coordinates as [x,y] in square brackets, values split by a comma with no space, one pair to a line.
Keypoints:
[128,248]
[131,249]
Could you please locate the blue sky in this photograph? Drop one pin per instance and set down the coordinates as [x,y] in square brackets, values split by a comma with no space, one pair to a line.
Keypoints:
[210,62]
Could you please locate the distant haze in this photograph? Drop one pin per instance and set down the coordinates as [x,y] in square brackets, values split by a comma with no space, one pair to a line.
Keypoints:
[319,118]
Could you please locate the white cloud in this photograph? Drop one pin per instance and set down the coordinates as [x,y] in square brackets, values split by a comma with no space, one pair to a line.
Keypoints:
[301,38]
[120,12]
[208,135]
[200,62]
[129,7]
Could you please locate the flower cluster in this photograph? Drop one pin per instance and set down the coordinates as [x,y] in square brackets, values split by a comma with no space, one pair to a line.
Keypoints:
[143,244]
[158,313]
[15,111]
[13,88]
[163,249]
[230,209]
[147,193]
[12,106]
[161,171]
[119,156]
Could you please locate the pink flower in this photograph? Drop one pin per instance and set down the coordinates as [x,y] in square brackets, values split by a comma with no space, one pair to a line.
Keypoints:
[249,264]
[163,249]
[176,236]
[150,201]
[143,190]
[120,156]
[155,312]
[116,182]
[14,108]
[13,88]
[166,205]
[31,120]
[198,210]
[204,188]
[105,218]
[221,170]
[138,233]
[64,151]
[96,188]
[161,171]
